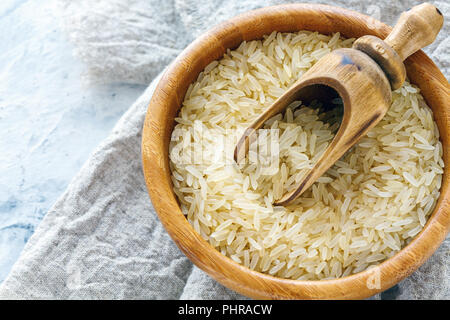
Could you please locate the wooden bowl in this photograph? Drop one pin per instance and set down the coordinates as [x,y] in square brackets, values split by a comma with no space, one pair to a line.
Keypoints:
[167,100]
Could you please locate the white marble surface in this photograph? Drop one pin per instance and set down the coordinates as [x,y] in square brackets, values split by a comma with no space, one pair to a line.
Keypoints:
[50,119]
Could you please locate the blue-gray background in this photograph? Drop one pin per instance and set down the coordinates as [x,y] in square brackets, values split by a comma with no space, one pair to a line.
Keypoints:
[101,239]
[50,118]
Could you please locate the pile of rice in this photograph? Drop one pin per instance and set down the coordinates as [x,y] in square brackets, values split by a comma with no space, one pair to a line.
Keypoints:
[368,206]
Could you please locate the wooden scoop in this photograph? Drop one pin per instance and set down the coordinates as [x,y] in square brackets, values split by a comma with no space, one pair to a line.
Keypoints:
[363,77]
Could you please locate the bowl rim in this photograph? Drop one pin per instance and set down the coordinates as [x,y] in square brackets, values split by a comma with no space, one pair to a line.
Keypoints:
[158,126]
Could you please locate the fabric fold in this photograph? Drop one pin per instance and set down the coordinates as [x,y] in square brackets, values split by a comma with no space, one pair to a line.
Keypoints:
[102,239]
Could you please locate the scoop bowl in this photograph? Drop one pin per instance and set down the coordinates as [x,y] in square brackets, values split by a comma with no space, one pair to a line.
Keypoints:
[167,100]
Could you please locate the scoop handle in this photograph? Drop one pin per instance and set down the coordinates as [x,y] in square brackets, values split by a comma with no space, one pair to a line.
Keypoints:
[415,29]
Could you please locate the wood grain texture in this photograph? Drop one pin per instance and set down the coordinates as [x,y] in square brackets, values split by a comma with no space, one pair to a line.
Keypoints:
[167,100]
[415,29]
[385,56]
[366,94]
[360,77]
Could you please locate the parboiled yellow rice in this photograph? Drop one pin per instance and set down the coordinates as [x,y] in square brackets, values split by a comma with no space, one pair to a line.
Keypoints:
[368,206]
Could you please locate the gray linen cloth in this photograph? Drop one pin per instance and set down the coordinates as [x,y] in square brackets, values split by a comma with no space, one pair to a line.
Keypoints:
[102,238]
